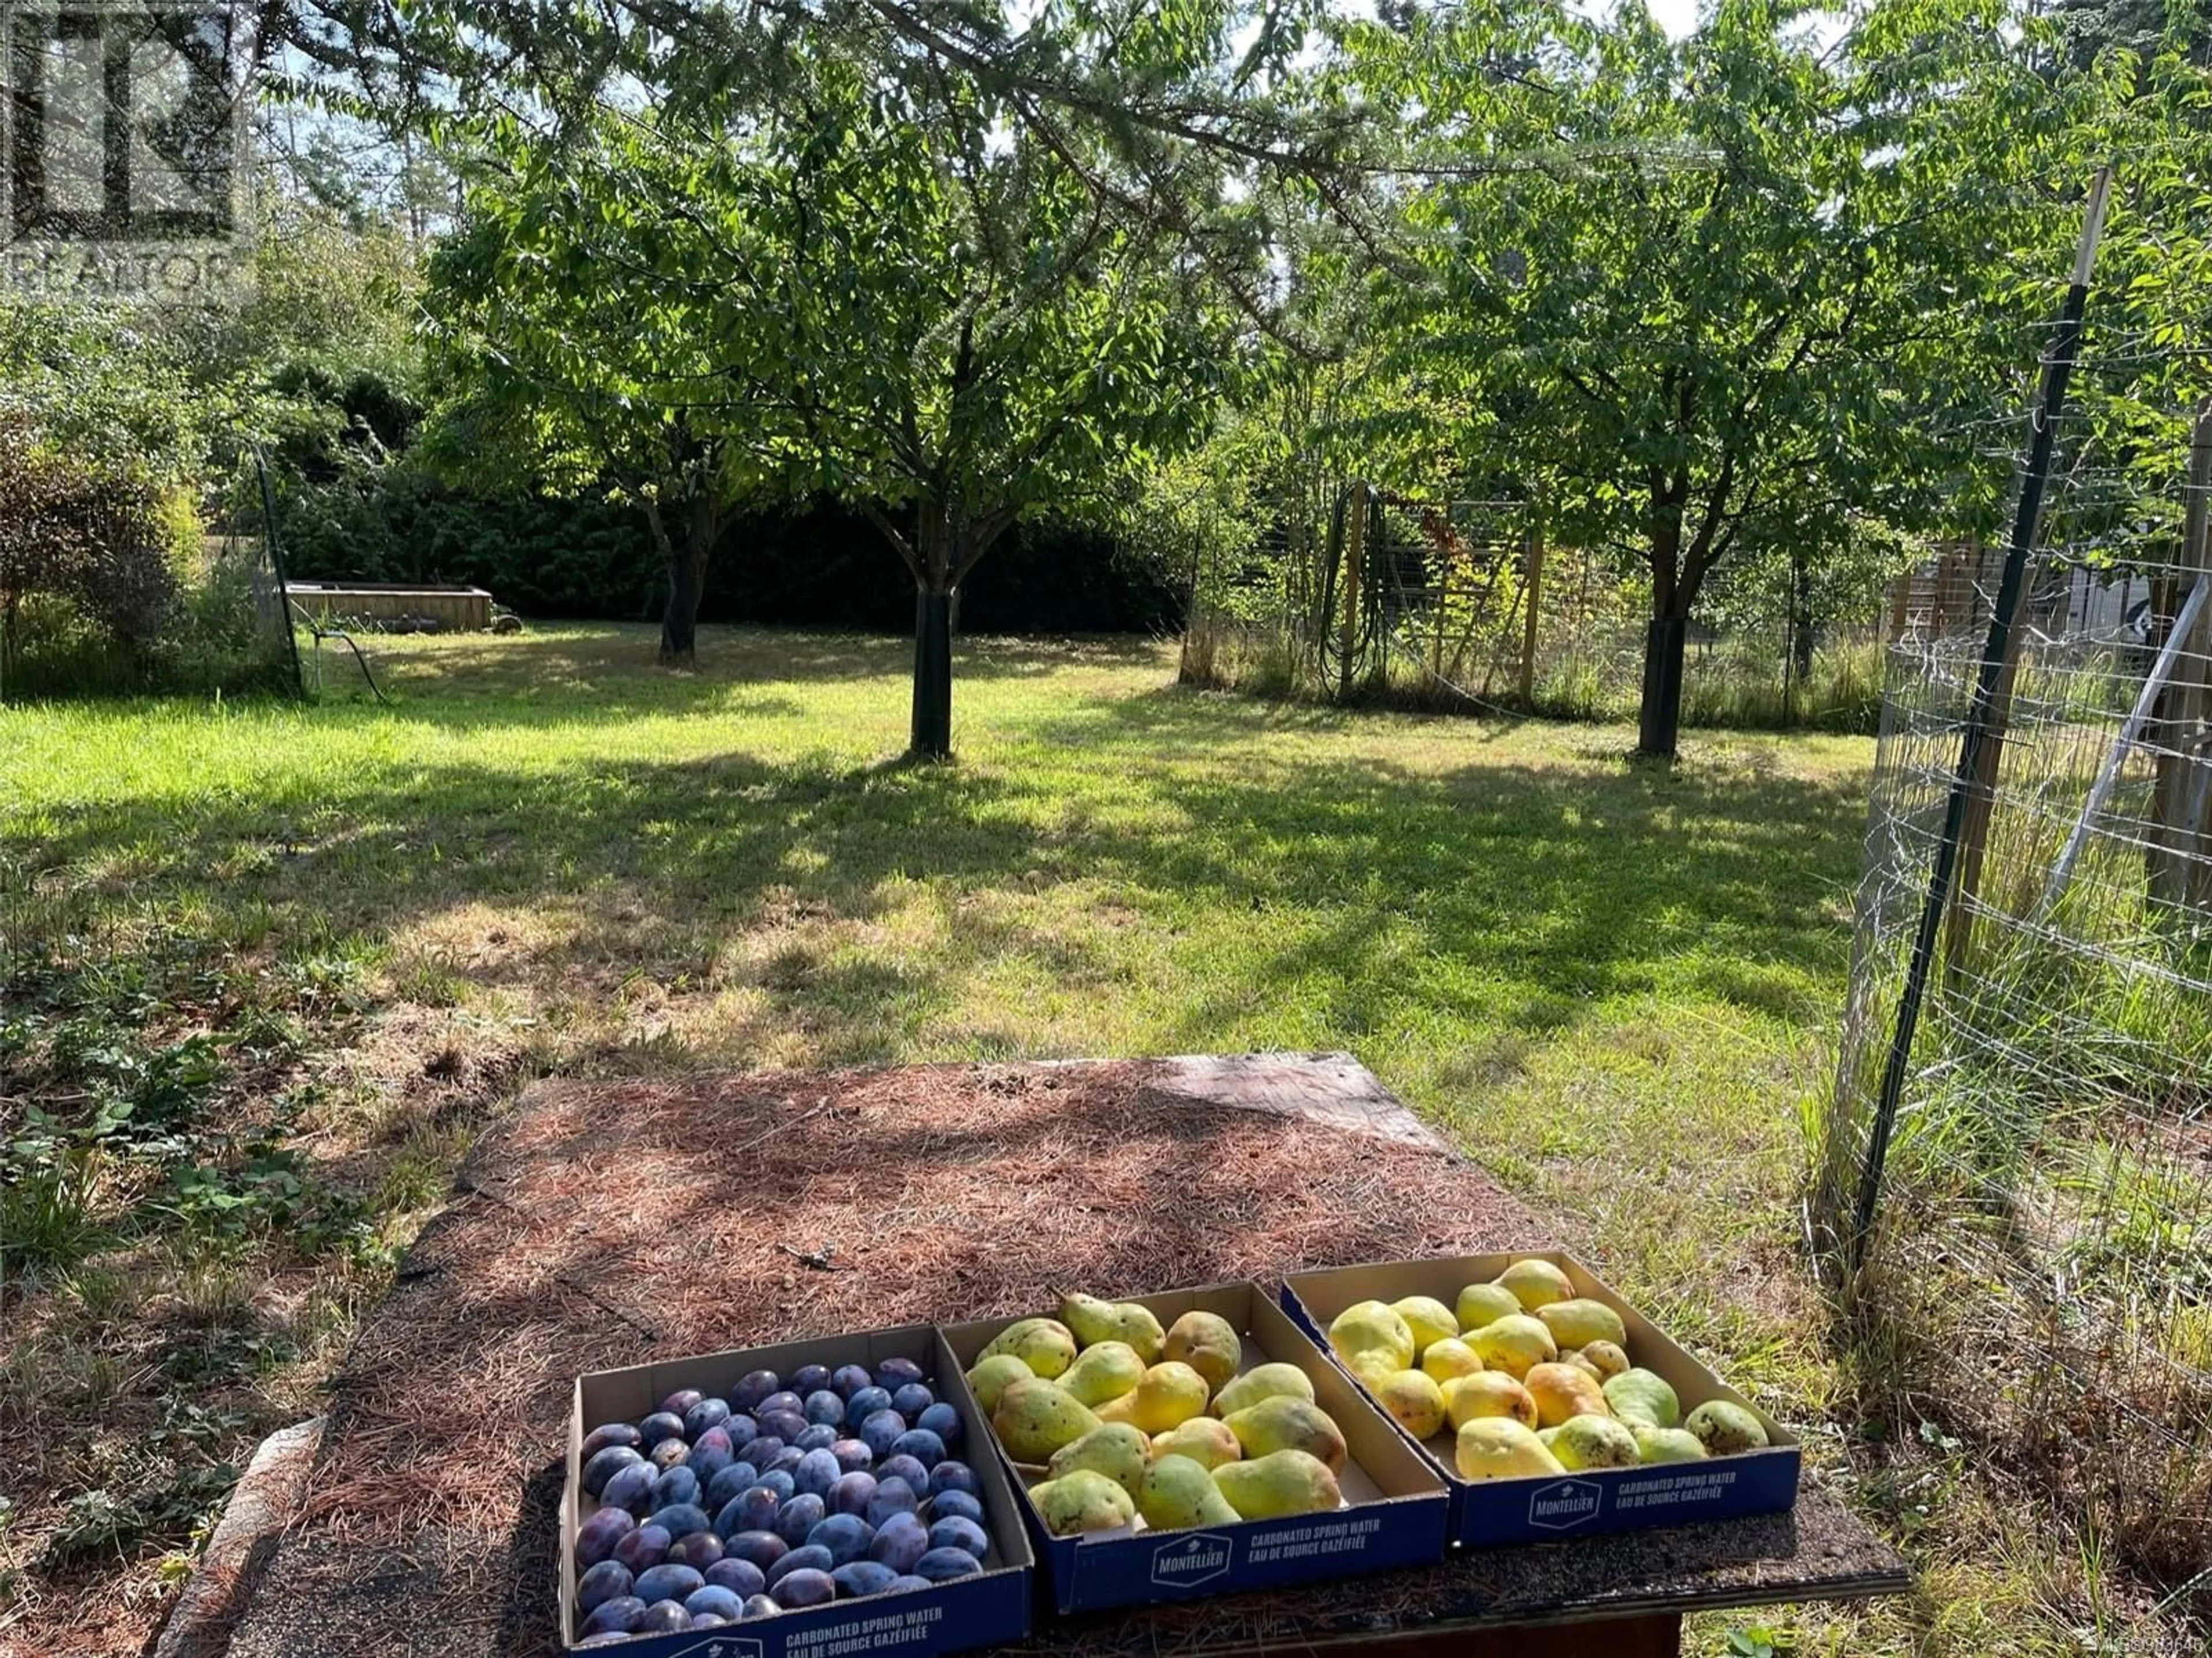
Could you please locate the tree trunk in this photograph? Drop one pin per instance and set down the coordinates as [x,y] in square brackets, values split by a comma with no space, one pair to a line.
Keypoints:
[931,734]
[687,582]
[1659,717]
[1801,619]
[1659,720]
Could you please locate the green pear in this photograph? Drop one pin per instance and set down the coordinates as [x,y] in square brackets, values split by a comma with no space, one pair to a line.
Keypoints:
[1667,1445]
[1207,1343]
[992,1375]
[1084,1501]
[1177,1493]
[1262,1381]
[1641,1395]
[1286,1423]
[1725,1428]
[1278,1484]
[1095,1320]
[1116,1450]
[1045,1345]
[1592,1441]
[1036,1418]
[1104,1370]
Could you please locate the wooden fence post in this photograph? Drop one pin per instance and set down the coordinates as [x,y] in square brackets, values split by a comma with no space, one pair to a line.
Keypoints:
[1535,594]
[2181,837]
[1355,554]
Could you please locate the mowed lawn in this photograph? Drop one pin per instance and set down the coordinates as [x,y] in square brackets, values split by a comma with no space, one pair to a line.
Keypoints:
[1614,984]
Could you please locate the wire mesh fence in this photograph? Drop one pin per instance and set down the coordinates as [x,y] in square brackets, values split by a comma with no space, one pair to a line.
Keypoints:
[2037,1277]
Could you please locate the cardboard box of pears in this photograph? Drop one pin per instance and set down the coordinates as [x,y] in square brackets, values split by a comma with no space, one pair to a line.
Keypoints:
[1550,1406]
[1192,1443]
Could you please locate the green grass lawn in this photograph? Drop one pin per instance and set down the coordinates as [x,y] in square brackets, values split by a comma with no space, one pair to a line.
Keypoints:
[305,951]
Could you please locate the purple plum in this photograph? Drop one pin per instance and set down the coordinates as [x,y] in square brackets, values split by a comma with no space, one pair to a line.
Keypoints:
[880,1431]
[597,1537]
[661,1424]
[682,1519]
[761,1449]
[800,1516]
[896,1373]
[785,1400]
[750,1510]
[853,1456]
[824,1407]
[943,1565]
[944,1421]
[847,1536]
[954,1533]
[786,1426]
[786,1461]
[706,1413]
[681,1400]
[742,1431]
[668,1582]
[634,1489]
[705,1465]
[906,1468]
[865,1404]
[912,1400]
[759,1605]
[611,1433]
[756,1387]
[891,1496]
[858,1577]
[698,1550]
[608,1581]
[620,1616]
[779,1481]
[804,1587]
[761,1549]
[819,1437]
[901,1541]
[671,1453]
[604,1465]
[720,1602]
[852,1494]
[740,1578]
[664,1618]
[733,1481]
[706,1620]
[809,1559]
[677,1485]
[810,1378]
[956,1505]
[952,1476]
[923,1446]
[818,1471]
[849,1379]
[644,1548]
[901,1585]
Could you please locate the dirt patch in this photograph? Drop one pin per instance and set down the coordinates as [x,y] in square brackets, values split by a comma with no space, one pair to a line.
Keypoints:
[608,1224]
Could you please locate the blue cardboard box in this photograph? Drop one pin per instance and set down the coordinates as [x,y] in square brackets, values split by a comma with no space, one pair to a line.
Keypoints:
[1536,1509]
[971,1612]
[1395,1504]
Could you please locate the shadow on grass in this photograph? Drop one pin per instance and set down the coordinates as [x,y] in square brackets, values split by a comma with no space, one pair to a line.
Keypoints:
[1556,884]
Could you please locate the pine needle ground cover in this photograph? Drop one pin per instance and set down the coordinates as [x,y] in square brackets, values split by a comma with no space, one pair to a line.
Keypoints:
[269,969]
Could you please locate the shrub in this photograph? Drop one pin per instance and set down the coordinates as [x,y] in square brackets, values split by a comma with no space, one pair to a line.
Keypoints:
[80,546]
